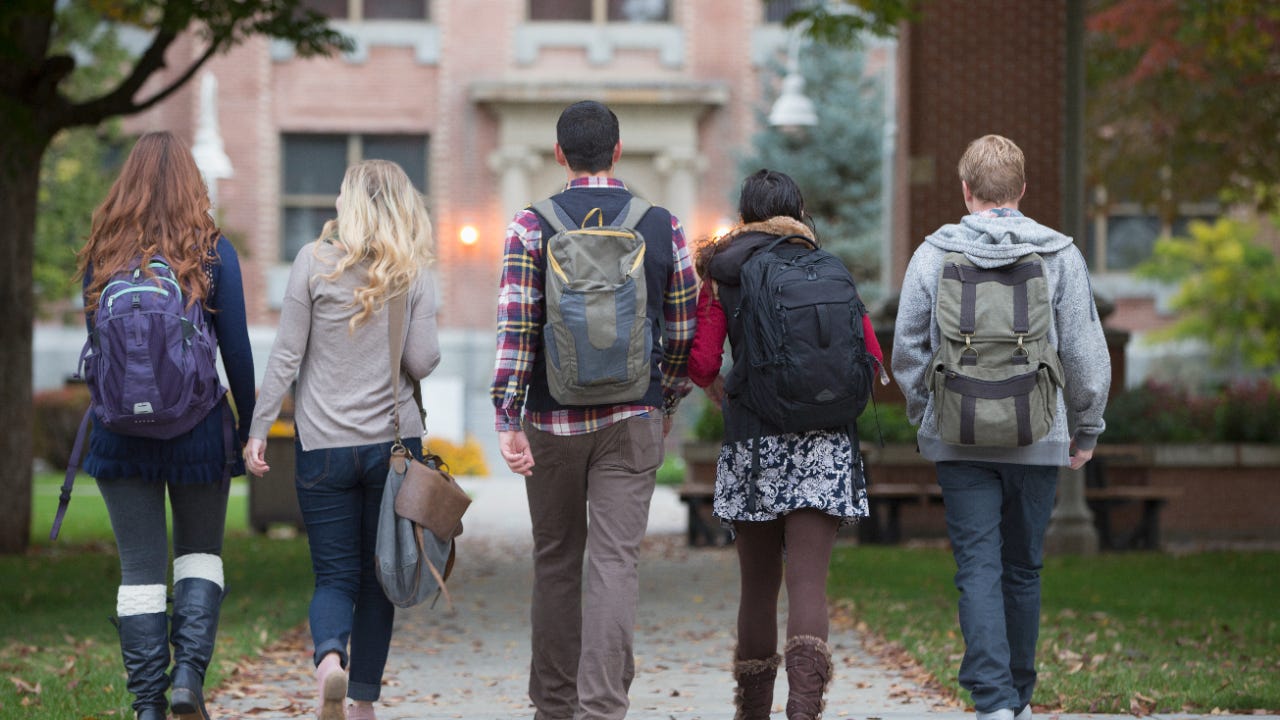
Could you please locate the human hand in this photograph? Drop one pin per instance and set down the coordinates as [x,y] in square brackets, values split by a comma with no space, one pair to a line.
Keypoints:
[1079,457]
[516,452]
[255,457]
[715,391]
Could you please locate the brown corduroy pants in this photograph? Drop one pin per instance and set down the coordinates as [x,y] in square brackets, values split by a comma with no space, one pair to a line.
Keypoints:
[588,494]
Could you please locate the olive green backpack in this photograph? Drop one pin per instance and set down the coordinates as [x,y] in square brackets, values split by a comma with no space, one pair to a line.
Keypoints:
[996,377]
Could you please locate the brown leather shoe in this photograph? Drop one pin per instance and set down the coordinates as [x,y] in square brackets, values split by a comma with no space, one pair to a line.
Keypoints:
[808,677]
[753,697]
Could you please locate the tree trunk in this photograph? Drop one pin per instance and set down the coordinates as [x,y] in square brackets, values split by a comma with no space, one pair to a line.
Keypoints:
[20,152]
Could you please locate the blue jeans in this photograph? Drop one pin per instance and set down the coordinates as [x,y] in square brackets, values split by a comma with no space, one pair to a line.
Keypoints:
[996,518]
[340,493]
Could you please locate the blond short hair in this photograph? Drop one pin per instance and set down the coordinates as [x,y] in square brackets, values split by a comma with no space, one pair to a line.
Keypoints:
[994,169]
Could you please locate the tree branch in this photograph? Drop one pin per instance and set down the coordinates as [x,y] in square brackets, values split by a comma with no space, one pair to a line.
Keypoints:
[119,101]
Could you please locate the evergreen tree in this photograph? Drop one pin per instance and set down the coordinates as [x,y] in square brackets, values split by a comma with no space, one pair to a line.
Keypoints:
[837,162]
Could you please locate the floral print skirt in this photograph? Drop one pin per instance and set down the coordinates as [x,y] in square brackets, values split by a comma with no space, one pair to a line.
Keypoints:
[816,469]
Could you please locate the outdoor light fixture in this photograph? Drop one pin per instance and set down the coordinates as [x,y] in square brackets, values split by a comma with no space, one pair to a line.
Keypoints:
[793,110]
[468,235]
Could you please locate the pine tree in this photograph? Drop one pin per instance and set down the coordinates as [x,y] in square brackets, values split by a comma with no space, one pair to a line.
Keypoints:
[837,162]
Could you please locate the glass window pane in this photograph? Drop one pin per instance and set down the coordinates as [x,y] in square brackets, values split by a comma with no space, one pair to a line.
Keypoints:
[775,11]
[560,10]
[395,9]
[328,8]
[1182,224]
[407,151]
[639,10]
[314,164]
[300,226]
[1130,239]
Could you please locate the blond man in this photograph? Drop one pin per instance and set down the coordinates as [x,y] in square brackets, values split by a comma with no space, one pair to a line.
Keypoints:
[998,498]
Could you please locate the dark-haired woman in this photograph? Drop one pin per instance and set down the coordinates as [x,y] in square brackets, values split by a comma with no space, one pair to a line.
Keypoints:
[159,206]
[808,484]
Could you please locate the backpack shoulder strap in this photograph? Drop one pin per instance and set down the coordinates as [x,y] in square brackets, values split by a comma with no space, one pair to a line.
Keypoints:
[73,464]
[632,213]
[555,215]
[787,238]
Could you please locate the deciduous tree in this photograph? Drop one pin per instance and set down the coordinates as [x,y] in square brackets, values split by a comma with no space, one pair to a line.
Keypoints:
[42,49]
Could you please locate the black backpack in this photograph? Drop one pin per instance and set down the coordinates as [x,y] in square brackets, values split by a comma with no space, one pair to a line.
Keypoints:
[807,363]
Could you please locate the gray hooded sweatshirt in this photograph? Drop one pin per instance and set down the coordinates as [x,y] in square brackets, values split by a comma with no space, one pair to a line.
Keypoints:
[1076,333]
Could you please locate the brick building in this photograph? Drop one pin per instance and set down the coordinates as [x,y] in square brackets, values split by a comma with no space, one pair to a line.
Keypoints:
[465,93]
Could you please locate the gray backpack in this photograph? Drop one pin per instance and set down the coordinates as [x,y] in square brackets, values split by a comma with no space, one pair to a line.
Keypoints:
[996,377]
[597,340]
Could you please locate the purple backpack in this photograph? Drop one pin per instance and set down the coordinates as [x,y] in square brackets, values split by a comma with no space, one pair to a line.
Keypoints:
[150,363]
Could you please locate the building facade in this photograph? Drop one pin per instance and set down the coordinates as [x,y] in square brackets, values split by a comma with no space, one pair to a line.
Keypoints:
[464,94]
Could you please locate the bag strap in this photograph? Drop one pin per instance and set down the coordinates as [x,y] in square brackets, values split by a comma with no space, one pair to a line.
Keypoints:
[555,215]
[633,213]
[73,464]
[435,573]
[397,309]
[788,238]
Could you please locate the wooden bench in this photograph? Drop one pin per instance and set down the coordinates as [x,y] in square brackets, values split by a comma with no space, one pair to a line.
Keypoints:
[886,501]
[892,497]
[704,528]
[1146,536]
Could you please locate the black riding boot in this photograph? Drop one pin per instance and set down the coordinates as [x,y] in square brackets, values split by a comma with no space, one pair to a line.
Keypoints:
[196,604]
[144,646]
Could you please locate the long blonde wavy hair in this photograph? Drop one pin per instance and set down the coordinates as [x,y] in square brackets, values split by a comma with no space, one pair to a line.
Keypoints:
[158,205]
[382,224]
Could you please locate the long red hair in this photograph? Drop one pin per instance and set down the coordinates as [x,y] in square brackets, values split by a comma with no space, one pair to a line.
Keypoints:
[157,206]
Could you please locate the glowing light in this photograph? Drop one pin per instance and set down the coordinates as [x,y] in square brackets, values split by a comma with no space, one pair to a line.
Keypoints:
[468,235]
[721,231]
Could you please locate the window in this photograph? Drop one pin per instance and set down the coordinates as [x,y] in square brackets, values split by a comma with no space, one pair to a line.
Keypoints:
[600,10]
[776,11]
[311,174]
[371,9]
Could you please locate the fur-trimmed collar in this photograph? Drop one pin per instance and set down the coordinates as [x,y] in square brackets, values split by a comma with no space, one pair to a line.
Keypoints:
[778,226]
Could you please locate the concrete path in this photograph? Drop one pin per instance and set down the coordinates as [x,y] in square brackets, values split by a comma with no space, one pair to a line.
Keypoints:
[473,662]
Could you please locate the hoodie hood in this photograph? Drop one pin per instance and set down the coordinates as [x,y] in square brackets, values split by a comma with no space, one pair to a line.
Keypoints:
[991,242]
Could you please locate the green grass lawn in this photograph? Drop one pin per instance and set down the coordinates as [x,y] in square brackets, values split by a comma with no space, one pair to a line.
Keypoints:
[59,653]
[1138,632]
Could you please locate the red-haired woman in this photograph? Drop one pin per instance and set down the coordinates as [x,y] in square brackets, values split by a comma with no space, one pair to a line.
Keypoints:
[159,207]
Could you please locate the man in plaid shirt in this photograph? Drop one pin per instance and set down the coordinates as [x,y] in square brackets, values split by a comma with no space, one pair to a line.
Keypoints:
[595,469]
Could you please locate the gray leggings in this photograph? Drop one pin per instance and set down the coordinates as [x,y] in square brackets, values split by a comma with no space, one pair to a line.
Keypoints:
[136,508]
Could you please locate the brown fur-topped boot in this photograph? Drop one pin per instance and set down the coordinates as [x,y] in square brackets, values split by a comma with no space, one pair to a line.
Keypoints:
[808,676]
[753,697]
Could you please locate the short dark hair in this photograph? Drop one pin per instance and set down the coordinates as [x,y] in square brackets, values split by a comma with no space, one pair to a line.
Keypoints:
[769,193]
[587,132]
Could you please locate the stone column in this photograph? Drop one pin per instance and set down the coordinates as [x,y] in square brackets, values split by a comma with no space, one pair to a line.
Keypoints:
[680,167]
[515,166]
[1071,530]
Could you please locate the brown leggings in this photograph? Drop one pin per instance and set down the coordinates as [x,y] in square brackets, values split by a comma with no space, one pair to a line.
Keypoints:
[808,537]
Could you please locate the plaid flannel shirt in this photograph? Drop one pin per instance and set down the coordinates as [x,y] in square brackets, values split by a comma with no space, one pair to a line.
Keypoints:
[520,322]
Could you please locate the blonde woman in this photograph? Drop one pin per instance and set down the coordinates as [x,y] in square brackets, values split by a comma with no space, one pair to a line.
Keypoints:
[333,341]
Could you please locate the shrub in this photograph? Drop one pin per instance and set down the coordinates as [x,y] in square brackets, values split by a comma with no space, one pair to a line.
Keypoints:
[1246,411]
[887,420]
[671,472]
[57,417]
[709,427]
[464,459]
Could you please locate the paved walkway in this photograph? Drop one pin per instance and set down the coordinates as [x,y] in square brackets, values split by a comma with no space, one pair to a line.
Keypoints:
[473,663]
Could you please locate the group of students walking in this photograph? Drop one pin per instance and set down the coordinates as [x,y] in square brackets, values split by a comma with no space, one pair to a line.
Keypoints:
[589,468]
